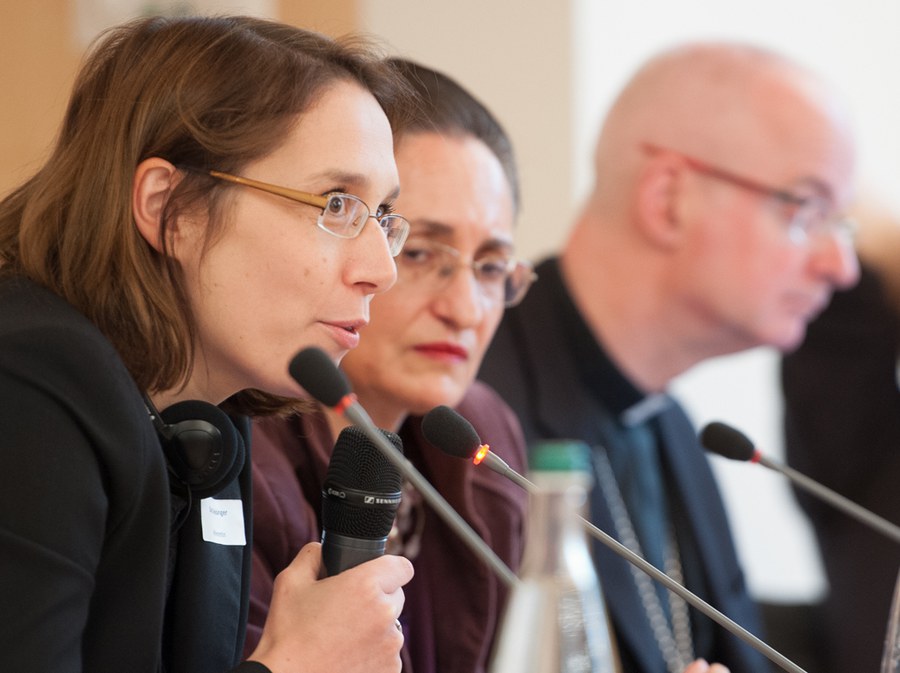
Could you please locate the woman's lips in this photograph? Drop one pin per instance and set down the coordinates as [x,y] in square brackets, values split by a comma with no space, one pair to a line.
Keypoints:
[345,334]
[443,350]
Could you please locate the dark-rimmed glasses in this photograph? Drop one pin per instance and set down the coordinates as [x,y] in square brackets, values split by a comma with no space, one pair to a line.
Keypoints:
[810,216]
[500,278]
[343,215]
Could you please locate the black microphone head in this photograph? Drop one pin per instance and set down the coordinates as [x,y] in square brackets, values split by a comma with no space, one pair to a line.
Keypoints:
[450,432]
[319,376]
[361,491]
[727,441]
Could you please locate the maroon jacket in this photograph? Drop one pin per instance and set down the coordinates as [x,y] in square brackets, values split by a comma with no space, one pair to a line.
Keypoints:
[454,602]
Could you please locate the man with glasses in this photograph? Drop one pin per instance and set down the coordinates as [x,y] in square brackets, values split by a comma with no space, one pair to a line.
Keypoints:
[715,225]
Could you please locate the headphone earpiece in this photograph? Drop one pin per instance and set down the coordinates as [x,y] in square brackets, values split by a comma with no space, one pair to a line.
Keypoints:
[201,444]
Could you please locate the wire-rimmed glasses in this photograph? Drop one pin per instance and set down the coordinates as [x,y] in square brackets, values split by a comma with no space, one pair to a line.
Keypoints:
[343,215]
[499,277]
[810,216]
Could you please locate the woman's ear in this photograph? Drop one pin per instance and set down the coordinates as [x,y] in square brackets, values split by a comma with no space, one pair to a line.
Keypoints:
[154,179]
[657,192]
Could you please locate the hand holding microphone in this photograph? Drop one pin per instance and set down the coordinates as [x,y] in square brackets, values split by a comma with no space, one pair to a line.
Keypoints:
[318,375]
[362,598]
[315,620]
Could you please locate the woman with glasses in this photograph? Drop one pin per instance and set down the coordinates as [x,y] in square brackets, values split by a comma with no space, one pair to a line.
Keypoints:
[220,196]
[456,274]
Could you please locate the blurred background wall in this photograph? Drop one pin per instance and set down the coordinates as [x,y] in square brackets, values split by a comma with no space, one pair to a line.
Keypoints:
[548,69]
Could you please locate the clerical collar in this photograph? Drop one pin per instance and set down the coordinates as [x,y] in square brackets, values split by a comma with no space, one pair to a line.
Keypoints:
[598,372]
[652,405]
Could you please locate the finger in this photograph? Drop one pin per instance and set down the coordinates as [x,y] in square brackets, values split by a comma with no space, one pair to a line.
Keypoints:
[391,572]
[307,562]
[396,600]
[698,666]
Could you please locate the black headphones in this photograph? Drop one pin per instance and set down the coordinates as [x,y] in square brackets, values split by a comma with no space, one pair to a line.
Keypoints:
[202,446]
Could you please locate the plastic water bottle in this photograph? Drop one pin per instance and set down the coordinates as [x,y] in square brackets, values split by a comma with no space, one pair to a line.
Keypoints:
[555,621]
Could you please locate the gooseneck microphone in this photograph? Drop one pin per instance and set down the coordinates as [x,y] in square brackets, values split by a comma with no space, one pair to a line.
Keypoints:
[318,375]
[453,434]
[729,442]
[360,497]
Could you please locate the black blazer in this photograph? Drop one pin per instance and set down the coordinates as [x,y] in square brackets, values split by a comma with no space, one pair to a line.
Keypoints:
[842,423]
[85,509]
[531,365]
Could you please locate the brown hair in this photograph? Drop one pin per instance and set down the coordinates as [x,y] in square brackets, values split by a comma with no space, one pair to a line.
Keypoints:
[198,92]
[443,106]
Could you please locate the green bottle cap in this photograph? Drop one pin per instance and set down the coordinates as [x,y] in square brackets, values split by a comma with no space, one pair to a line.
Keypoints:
[560,455]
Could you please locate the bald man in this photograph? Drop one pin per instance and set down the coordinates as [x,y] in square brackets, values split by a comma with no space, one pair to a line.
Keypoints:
[715,225]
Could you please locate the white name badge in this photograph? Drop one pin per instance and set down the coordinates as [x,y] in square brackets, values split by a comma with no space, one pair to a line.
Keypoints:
[222,522]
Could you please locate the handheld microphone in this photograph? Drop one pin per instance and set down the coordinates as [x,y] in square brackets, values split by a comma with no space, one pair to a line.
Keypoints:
[360,497]
[729,442]
[318,375]
[453,434]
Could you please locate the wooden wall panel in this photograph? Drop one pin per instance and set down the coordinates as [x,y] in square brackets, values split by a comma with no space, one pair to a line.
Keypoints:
[38,61]
[39,58]
[332,17]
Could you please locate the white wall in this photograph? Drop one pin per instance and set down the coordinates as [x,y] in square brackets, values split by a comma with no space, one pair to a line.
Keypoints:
[549,68]
[516,57]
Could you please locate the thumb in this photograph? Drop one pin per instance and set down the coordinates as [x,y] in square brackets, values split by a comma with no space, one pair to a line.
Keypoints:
[307,564]
[391,572]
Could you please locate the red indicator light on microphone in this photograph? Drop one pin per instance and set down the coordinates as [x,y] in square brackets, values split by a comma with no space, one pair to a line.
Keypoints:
[481,453]
[346,401]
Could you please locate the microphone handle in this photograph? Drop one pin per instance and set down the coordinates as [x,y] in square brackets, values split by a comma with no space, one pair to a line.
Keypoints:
[358,416]
[844,504]
[499,465]
[341,552]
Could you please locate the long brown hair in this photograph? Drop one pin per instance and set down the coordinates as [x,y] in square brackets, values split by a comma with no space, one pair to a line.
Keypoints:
[198,92]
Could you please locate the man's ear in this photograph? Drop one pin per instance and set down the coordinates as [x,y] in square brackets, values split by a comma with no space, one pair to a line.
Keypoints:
[657,199]
[154,178]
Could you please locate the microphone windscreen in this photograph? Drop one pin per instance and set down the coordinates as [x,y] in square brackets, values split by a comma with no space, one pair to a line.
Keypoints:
[319,376]
[727,441]
[361,491]
[450,432]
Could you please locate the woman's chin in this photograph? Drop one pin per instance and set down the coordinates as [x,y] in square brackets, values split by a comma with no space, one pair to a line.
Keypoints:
[439,394]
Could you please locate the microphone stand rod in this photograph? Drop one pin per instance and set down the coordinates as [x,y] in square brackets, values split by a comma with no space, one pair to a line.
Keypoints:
[846,505]
[356,414]
[499,465]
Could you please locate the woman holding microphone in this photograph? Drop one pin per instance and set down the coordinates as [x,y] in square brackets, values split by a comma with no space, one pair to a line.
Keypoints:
[220,196]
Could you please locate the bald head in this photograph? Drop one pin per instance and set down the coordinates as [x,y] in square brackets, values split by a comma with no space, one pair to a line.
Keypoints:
[693,236]
[736,106]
